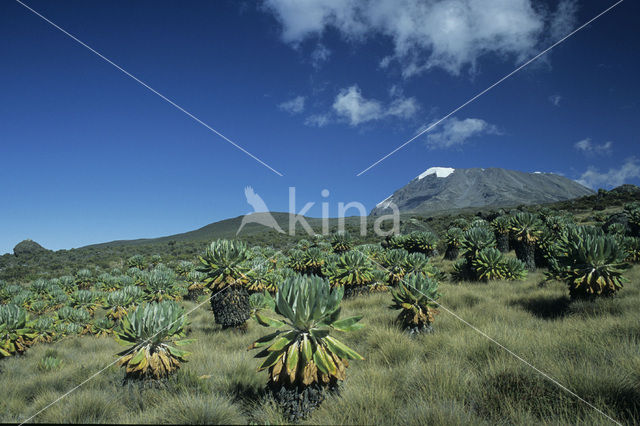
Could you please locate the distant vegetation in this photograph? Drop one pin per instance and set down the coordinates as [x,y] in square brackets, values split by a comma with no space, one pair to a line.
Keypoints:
[557,287]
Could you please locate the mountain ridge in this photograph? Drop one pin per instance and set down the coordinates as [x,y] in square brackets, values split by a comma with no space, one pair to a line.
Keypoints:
[444,188]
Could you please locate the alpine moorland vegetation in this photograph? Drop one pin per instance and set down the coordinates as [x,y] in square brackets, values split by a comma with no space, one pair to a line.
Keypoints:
[564,299]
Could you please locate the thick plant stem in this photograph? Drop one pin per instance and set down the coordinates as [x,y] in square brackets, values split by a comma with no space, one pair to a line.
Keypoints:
[502,242]
[451,253]
[526,252]
[231,307]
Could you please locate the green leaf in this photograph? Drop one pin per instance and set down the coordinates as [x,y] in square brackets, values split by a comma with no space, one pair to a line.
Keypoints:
[137,357]
[283,306]
[177,352]
[264,340]
[122,342]
[307,350]
[348,324]
[341,349]
[271,360]
[280,344]
[318,359]
[331,366]
[319,333]
[292,358]
[268,322]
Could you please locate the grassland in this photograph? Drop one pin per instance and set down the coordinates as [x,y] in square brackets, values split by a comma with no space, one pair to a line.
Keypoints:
[453,376]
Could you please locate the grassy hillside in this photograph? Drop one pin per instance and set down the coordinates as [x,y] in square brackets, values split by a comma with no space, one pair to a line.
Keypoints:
[188,245]
[453,376]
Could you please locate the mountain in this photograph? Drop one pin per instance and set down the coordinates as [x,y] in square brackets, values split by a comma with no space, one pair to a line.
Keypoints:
[440,189]
[229,227]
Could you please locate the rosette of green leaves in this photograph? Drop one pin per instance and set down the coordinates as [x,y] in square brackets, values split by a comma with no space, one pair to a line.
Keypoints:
[418,263]
[261,301]
[43,330]
[41,287]
[461,223]
[631,247]
[39,306]
[226,263]
[314,260]
[69,329]
[479,223]
[514,269]
[263,277]
[103,327]
[297,261]
[396,241]
[421,242]
[152,333]
[161,284]
[84,279]
[372,251]
[558,223]
[394,262]
[591,264]
[184,267]
[58,298]
[77,316]
[341,242]
[136,261]
[106,282]
[351,269]
[301,351]
[136,293]
[23,298]
[526,227]
[68,284]
[454,237]
[137,275]
[16,332]
[85,299]
[416,296]
[489,264]
[117,304]
[501,224]
[303,244]
[475,240]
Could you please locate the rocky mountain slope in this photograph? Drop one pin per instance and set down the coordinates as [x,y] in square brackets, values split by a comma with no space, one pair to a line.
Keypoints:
[443,188]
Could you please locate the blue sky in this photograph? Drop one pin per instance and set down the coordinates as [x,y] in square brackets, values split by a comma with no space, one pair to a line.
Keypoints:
[318,90]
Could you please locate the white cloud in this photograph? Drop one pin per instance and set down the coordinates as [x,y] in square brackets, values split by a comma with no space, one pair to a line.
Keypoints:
[555,100]
[349,104]
[293,106]
[456,132]
[319,55]
[403,108]
[317,120]
[587,147]
[614,177]
[449,34]
[564,20]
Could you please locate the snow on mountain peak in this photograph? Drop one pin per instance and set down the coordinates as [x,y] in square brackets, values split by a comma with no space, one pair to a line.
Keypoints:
[385,203]
[441,172]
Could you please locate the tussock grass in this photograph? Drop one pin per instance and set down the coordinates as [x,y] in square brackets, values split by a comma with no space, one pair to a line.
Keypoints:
[453,376]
